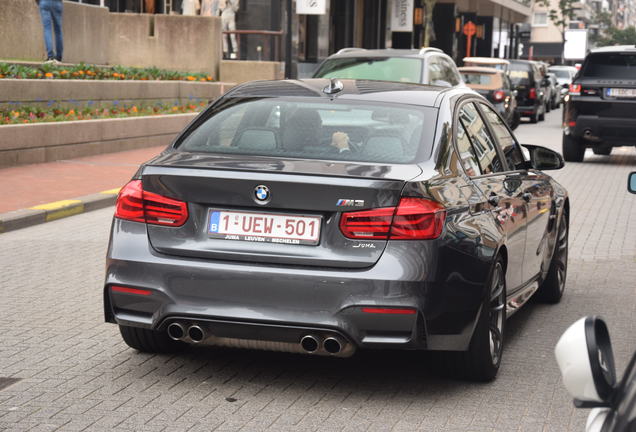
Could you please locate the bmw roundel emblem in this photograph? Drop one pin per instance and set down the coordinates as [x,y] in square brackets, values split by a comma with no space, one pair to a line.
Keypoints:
[261,192]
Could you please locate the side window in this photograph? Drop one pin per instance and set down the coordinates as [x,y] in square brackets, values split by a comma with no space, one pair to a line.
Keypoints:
[508,144]
[481,139]
[438,72]
[466,152]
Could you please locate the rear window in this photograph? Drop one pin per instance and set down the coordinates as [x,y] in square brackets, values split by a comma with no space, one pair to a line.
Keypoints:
[611,65]
[379,69]
[560,73]
[309,129]
[482,80]
[519,74]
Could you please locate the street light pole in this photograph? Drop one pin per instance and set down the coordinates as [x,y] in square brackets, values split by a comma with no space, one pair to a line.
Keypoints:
[288,41]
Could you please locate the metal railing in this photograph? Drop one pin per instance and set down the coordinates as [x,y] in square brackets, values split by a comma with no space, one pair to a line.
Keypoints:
[269,47]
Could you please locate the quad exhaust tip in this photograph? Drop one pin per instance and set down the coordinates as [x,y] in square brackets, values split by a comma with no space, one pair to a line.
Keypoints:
[196,333]
[176,331]
[332,345]
[309,343]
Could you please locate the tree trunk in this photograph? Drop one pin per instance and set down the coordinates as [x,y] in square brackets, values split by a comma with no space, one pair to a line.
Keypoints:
[428,28]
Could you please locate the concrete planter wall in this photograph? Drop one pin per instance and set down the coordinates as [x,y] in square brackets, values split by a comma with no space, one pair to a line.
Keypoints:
[93,35]
[83,92]
[46,142]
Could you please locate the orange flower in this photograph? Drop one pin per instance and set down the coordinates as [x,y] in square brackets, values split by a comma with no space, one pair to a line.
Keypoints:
[190,78]
[71,112]
[134,108]
[64,72]
[209,78]
[115,74]
[175,108]
[75,74]
[48,75]
[81,72]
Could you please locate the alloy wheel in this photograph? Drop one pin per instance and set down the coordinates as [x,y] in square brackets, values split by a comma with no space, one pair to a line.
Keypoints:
[496,314]
[561,255]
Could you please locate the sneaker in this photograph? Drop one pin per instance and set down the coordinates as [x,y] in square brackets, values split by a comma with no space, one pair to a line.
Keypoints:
[50,61]
[56,62]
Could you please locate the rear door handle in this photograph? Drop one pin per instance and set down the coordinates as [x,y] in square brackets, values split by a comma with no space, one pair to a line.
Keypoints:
[527,196]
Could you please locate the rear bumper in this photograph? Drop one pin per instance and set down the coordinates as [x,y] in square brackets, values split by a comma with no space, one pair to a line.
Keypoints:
[527,110]
[607,130]
[256,298]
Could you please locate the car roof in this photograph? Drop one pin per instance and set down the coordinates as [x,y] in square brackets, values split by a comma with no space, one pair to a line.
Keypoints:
[353,90]
[379,53]
[480,69]
[617,48]
[486,60]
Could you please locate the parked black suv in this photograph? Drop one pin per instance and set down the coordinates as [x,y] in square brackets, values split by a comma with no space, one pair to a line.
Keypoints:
[530,83]
[601,110]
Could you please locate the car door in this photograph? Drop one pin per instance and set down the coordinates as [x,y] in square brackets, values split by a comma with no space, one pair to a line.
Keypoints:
[501,190]
[535,191]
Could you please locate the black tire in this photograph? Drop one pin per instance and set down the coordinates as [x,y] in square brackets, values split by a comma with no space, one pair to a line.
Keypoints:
[482,360]
[548,107]
[573,149]
[542,115]
[534,118]
[602,150]
[149,341]
[551,289]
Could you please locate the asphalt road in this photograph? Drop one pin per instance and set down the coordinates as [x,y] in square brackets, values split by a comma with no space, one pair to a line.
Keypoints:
[75,373]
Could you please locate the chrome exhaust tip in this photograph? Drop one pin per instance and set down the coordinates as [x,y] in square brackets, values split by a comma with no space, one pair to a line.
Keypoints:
[196,333]
[309,343]
[176,331]
[332,345]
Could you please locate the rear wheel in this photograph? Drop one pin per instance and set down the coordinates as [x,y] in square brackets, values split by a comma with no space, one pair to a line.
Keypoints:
[602,150]
[573,149]
[542,115]
[548,107]
[481,361]
[551,289]
[149,341]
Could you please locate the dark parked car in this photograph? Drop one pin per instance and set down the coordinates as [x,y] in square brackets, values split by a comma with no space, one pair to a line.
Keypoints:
[555,91]
[529,82]
[425,66]
[324,216]
[601,110]
[494,85]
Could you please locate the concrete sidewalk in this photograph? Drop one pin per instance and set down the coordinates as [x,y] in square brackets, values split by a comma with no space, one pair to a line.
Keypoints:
[32,194]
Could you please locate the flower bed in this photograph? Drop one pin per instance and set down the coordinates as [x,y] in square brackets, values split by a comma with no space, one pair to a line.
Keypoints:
[92,72]
[34,114]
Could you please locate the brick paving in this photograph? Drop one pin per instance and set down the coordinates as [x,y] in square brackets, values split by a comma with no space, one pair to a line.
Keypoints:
[76,374]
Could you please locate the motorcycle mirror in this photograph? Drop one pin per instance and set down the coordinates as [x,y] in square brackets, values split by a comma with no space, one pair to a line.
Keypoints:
[585,358]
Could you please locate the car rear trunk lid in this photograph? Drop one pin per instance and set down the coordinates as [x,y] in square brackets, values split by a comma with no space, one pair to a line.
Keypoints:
[298,188]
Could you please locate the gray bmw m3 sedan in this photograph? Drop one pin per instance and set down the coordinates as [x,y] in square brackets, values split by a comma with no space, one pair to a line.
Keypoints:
[323,217]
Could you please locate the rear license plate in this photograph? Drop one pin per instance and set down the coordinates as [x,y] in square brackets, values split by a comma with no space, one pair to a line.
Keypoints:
[264,227]
[621,93]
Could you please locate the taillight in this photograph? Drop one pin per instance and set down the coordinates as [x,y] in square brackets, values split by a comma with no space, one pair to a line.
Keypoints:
[412,219]
[532,93]
[499,95]
[575,89]
[135,204]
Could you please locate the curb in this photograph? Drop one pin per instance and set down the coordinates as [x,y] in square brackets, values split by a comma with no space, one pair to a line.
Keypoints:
[42,213]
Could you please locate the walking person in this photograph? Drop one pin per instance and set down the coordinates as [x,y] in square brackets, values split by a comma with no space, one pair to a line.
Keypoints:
[51,14]
[228,10]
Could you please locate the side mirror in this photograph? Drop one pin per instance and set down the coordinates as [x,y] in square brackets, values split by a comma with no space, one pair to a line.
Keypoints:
[631,182]
[515,93]
[543,158]
[585,358]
